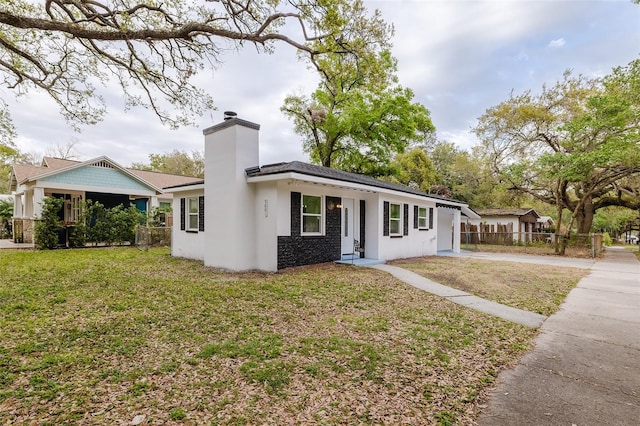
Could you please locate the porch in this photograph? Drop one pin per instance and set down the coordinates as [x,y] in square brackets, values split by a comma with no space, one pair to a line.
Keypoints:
[355,259]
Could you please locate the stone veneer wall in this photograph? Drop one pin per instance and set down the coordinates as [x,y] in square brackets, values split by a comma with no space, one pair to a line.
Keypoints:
[298,250]
[23,230]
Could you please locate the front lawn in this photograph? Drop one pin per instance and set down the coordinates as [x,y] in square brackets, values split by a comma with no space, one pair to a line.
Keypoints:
[106,336]
[535,288]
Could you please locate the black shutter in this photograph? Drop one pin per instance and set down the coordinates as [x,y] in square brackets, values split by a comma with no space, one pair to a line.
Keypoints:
[182,214]
[201,213]
[415,217]
[296,219]
[385,218]
[430,217]
[362,226]
[405,221]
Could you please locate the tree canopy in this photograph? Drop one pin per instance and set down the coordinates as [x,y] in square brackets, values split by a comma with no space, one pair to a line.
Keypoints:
[152,50]
[413,169]
[575,145]
[359,117]
[176,162]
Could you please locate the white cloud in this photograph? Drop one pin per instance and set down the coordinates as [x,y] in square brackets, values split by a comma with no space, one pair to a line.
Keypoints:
[459,57]
[555,44]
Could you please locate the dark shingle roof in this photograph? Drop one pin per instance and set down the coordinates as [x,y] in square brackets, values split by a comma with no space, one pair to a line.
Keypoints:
[340,175]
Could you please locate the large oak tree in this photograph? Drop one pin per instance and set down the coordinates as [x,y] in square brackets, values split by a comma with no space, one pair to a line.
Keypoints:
[575,145]
[359,117]
[150,49]
[175,162]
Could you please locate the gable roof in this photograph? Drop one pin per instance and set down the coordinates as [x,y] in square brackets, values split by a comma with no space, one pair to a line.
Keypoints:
[506,212]
[22,173]
[164,180]
[543,219]
[57,163]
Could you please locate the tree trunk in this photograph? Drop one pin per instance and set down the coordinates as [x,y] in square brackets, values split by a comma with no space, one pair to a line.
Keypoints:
[558,248]
[585,216]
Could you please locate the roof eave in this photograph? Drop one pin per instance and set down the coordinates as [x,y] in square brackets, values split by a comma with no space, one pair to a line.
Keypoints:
[295,176]
[184,188]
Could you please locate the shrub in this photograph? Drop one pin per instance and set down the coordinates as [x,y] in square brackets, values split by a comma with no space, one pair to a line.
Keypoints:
[6,213]
[157,216]
[46,230]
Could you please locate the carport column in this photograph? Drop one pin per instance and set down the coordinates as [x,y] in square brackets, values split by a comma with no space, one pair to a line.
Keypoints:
[38,199]
[456,231]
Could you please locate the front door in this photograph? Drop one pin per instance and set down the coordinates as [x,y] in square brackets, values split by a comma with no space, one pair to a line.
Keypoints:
[348,217]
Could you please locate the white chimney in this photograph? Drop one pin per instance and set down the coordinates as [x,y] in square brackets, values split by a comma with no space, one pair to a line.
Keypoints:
[230,147]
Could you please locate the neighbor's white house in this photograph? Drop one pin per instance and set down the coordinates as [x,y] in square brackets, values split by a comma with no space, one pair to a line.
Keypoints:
[522,223]
[243,216]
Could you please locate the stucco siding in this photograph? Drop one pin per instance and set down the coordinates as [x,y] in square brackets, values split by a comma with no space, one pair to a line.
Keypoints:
[445,218]
[187,244]
[266,216]
[416,243]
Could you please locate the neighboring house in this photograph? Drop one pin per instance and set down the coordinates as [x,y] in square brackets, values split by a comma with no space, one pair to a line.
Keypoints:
[100,179]
[243,217]
[545,223]
[521,223]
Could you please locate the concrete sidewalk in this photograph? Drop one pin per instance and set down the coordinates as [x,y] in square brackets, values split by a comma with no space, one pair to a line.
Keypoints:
[530,319]
[9,244]
[585,367]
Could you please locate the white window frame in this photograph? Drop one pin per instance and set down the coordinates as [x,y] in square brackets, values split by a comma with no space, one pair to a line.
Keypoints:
[394,219]
[191,214]
[424,218]
[303,215]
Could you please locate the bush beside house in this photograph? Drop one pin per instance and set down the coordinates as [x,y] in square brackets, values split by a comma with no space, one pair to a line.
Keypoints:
[6,213]
[96,224]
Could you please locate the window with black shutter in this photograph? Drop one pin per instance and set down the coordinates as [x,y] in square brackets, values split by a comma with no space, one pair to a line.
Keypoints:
[422,218]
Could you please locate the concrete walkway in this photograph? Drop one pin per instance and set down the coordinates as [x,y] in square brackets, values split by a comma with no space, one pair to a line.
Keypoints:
[568,262]
[530,319]
[585,367]
[9,244]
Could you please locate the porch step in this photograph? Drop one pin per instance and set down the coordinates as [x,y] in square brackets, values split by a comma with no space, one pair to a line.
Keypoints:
[355,259]
[350,256]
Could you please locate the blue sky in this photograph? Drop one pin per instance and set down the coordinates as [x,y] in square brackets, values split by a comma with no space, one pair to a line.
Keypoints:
[459,58]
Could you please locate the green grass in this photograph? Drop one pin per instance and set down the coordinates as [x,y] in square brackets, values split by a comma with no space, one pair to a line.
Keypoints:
[100,335]
[535,288]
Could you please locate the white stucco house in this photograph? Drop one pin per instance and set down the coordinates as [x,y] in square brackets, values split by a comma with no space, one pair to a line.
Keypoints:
[521,223]
[243,216]
[100,179]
